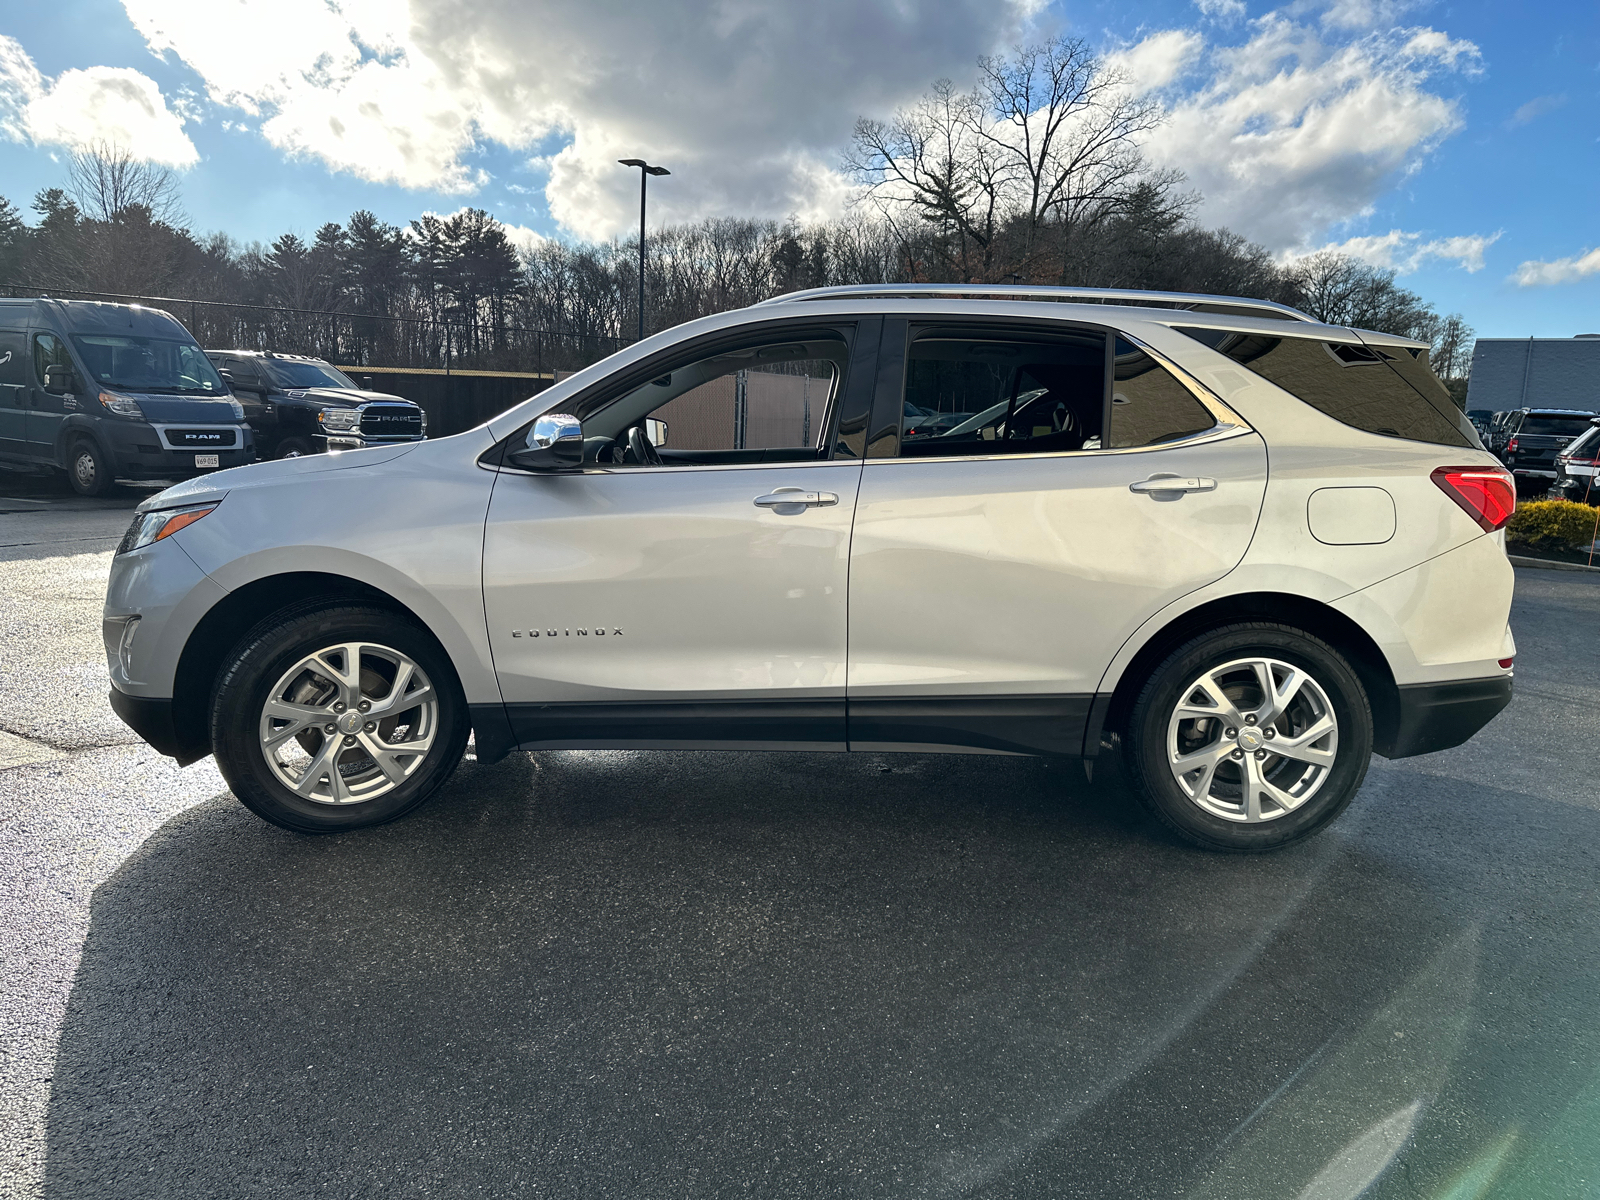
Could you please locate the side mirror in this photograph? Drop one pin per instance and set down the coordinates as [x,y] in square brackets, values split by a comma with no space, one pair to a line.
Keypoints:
[58,379]
[656,431]
[555,443]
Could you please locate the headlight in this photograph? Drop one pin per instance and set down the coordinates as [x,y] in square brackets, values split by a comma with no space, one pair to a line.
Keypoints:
[340,420]
[153,526]
[121,405]
[238,409]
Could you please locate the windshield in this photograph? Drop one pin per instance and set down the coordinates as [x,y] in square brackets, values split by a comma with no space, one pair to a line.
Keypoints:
[147,364]
[1555,426]
[307,375]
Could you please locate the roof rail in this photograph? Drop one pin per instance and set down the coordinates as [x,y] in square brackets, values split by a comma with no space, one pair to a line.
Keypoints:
[1231,306]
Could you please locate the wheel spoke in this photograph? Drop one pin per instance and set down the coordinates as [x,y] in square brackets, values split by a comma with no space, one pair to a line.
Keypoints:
[1206,761]
[1220,705]
[1254,785]
[1278,695]
[349,679]
[1300,747]
[385,755]
[398,701]
[325,762]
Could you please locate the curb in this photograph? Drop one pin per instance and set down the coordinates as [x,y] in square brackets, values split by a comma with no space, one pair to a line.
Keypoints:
[1549,564]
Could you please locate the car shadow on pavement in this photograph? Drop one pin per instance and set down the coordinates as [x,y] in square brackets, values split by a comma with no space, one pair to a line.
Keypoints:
[648,974]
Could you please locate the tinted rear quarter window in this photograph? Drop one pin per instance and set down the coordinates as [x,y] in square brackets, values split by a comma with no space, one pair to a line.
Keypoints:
[1384,390]
[1148,404]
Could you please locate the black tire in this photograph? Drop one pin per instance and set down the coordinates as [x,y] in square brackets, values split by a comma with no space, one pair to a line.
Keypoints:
[294,448]
[88,470]
[274,647]
[1146,750]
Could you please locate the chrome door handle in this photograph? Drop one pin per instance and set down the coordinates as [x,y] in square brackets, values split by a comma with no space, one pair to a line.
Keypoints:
[781,497]
[1172,485]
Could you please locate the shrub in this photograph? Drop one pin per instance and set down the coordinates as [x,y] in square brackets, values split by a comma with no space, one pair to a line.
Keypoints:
[1552,525]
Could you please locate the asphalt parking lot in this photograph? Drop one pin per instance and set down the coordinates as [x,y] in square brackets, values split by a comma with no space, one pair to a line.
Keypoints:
[610,974]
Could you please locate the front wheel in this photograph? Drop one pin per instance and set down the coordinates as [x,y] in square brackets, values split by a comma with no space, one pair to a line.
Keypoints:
[1250,737]
[295,448]
[337,719]
[87,469]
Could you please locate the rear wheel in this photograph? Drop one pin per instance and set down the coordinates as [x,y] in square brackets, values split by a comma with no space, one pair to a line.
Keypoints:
[87,469]
[338,719]
[1250,737]
[295,448]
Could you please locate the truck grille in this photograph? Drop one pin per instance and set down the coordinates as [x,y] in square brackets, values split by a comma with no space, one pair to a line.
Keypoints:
[391,420]
[208,439]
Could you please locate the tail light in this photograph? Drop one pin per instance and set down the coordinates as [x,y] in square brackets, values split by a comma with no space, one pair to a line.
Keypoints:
[1511,446]
[1486,495]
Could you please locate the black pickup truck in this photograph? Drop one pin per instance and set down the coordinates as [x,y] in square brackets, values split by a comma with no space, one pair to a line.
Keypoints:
[299,405]
[1533,437]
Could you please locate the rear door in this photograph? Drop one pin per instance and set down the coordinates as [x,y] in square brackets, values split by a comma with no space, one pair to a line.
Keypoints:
[1071,487]
[13,393]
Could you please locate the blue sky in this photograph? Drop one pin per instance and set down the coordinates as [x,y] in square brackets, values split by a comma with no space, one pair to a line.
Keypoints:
[1454,141]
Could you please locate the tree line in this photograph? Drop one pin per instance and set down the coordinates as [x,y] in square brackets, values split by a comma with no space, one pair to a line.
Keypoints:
[1032,176]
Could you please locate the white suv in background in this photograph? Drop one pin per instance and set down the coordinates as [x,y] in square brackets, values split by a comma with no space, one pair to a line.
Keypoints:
[1245,548]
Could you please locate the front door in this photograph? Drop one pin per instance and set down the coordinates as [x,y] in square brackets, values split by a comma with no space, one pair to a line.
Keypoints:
[46,412]
[689,586]
[1048,494]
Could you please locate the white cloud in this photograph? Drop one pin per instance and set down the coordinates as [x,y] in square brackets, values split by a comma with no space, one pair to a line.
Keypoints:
[1406,252]
[748,103]
[1563,270]
[1294,133]
[81,107]
[1221,10]
[1153,64]
[1534,109]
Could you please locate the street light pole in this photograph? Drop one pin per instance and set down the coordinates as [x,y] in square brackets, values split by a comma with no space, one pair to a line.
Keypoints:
[645,171]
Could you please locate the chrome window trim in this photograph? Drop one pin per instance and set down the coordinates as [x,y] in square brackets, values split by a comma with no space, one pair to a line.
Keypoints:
[1216,433]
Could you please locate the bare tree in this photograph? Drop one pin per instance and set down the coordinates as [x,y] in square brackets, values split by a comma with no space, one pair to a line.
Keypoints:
[106,180]
[933,160]
[1049,138]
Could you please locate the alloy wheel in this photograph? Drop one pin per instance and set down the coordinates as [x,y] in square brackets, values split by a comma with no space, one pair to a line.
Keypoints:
[1252,739]
[348,723]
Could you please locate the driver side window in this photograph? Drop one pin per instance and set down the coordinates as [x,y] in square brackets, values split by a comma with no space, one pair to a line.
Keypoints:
[765,403]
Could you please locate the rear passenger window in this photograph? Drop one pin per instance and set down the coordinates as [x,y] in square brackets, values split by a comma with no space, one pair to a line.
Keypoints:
[982,395]
[1148,404]
[1385,390]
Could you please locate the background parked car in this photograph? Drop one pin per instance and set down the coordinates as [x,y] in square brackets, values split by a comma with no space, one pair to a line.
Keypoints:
[111,391]
[299,405]
[1578,465]
[1533,438]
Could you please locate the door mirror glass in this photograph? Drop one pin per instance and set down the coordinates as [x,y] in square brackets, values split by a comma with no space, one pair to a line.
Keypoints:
[58,379]
[555,443]
[656,430]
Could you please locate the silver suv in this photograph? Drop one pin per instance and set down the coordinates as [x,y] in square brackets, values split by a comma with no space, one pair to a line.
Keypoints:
[1244,549]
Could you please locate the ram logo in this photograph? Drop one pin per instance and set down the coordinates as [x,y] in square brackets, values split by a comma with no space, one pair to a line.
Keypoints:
[594,631]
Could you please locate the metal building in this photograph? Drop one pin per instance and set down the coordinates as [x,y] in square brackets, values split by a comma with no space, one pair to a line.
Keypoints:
[1535,373]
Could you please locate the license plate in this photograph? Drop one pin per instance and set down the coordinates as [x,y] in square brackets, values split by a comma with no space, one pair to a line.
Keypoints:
[206,460]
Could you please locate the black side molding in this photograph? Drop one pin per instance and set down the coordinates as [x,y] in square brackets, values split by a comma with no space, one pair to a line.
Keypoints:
[684,724]
[998,724]
[1438,716]
[151,719]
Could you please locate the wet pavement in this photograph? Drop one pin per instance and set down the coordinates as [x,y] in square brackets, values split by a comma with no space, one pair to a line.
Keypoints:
[596,974]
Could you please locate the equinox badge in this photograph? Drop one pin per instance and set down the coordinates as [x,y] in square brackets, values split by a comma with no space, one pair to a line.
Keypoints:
[598,631]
